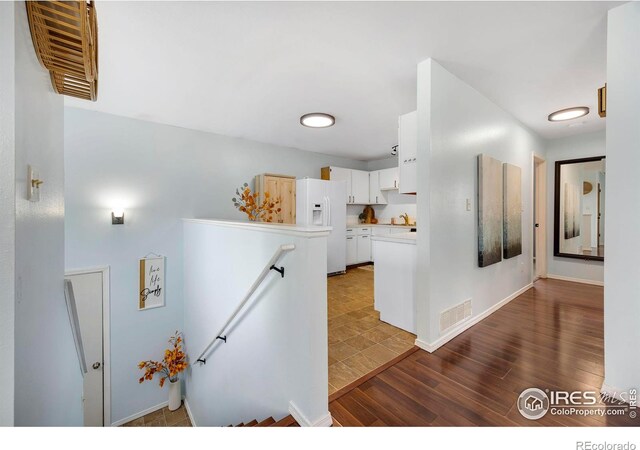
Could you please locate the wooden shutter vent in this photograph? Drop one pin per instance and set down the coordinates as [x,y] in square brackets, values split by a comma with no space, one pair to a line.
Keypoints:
[65,37]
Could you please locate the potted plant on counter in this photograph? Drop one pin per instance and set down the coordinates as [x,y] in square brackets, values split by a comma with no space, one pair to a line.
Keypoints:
[174,362]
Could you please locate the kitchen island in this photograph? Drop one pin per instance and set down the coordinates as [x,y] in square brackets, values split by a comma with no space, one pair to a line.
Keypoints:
[395,278]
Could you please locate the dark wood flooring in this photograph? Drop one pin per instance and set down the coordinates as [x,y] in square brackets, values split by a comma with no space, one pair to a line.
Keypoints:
[550,337]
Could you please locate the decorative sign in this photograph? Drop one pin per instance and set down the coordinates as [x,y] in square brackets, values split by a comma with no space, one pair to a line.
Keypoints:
[151,283]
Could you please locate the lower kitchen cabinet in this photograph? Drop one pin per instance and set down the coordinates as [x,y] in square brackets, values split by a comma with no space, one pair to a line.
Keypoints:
[358,245]
[352,250]
[364,248]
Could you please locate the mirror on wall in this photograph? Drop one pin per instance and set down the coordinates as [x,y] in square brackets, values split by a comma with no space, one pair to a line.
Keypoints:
[580,208]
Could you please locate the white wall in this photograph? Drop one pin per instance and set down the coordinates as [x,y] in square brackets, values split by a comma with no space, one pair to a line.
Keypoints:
[383,163]
[160,174]
[573,147]
[276,352]
[48,383]
[622,269]
[457,123]
[7,206]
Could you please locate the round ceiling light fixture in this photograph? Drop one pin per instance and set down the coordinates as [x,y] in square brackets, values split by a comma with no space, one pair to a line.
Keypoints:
[568,114]
[317,120]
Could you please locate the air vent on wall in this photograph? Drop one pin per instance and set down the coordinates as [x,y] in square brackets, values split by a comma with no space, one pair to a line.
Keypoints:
[455,315]
[65,38]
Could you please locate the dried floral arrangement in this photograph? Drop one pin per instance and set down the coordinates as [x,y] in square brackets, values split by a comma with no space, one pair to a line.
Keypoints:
[247,202]
[174,362]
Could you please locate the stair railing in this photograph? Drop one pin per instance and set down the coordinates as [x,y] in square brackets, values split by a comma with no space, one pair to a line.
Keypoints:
[271,265]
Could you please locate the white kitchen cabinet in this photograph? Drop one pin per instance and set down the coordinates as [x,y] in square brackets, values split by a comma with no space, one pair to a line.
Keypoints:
[357,183]
[374,188]
[364,248]
[375,194]
[407,152]
[338,174]
[352,250]
[360,187]
[388,179]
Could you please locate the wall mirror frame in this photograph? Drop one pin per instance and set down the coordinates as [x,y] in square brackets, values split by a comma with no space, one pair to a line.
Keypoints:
[579,208]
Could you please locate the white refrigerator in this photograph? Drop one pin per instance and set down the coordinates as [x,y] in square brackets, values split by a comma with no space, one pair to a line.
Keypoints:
[323,203]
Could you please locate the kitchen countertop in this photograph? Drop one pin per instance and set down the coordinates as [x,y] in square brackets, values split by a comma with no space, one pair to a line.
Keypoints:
[400,238]
[376,225]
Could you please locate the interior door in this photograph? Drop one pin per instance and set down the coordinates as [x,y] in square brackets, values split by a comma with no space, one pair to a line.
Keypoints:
[88,290]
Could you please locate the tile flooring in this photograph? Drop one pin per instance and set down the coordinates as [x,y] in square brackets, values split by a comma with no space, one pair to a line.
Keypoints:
[162,418]
[358,341]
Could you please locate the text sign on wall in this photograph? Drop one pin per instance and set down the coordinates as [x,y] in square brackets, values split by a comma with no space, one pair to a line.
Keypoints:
[151,283]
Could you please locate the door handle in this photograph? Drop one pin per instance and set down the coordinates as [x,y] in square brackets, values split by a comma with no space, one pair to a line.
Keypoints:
[96,365]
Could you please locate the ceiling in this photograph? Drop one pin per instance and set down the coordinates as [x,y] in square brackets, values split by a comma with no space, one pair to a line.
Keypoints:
[250,70]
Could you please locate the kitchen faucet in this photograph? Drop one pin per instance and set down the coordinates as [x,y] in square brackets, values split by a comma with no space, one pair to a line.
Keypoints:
[405,216]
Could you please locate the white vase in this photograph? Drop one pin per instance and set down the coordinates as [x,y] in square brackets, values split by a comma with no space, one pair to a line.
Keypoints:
[175,395]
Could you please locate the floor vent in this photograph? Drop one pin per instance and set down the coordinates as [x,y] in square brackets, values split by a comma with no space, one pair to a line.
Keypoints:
[454,316]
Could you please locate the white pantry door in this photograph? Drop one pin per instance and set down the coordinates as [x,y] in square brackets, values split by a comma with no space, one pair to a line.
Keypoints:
[88,292]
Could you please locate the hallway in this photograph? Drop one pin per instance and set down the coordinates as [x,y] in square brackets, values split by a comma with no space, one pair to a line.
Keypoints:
[550,337]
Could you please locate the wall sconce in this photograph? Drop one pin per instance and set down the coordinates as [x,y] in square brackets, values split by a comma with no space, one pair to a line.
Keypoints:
[117,217]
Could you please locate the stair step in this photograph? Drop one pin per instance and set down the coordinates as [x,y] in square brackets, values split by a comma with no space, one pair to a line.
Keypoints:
[253,423]
[266,422]
[285,422]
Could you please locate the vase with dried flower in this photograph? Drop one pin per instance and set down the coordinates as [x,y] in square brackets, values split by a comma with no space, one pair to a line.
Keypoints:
[247,202]
[174,362]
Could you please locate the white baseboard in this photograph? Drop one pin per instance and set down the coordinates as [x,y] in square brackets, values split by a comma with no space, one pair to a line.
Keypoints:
[139,414]
[433,346]
[325,421]
[612,392]
[186,406]
[576,280]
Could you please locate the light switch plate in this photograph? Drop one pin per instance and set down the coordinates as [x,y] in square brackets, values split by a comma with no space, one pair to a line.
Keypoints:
[33,188]
[468,204]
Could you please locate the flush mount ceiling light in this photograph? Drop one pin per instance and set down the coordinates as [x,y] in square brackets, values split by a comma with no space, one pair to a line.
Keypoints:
[568,114]
[317,120]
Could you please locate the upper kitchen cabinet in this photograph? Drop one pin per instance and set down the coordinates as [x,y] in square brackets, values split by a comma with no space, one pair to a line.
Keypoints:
[389,179]
[282,187]
[375,194]
[407,152]
[360,187]
[357,183]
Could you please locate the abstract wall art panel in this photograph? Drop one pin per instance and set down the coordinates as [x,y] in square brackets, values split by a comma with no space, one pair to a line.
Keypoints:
[571,211]
[490,211]
[512,232]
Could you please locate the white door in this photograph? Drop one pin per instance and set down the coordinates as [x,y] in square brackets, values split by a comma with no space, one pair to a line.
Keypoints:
[360,187]
[88,291]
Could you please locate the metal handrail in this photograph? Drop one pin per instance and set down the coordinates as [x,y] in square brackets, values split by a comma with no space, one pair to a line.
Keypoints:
[267,268]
